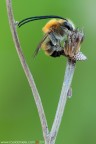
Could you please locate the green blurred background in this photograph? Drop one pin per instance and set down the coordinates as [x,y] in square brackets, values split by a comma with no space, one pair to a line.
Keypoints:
[19,120]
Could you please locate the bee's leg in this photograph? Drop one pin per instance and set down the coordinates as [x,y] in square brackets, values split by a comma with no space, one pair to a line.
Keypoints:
[52,38]
[69,93]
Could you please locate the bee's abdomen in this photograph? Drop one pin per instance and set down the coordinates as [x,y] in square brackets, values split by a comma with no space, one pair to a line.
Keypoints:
[51,50]
[57,53]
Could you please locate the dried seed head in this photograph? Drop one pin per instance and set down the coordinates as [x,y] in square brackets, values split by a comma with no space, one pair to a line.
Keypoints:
[72,45]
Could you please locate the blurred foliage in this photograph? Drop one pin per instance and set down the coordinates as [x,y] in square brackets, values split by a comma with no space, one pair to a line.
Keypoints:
[19,119]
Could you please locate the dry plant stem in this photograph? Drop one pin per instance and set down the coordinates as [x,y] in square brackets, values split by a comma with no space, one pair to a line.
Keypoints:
[69,72]
[27,71]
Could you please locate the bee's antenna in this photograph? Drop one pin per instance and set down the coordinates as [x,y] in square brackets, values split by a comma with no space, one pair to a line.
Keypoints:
[24,21]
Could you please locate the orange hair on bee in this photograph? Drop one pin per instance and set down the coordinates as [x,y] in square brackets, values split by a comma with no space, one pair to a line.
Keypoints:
[51,23]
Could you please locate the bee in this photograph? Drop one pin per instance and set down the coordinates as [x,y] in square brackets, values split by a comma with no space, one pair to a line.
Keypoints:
[54,33]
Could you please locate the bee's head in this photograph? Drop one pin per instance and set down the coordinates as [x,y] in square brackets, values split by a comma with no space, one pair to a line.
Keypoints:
[68,24]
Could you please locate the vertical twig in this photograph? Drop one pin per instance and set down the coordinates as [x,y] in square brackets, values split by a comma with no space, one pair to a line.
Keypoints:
[69,72]
[27,71]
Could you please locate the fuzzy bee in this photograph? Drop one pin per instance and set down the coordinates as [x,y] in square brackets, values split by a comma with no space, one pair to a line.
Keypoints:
[54,32]
[60,37]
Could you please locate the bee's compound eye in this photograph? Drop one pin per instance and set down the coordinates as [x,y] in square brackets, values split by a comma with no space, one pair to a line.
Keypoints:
[68,26]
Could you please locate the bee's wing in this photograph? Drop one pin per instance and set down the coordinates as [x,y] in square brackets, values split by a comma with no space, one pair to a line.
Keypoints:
[39,46]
